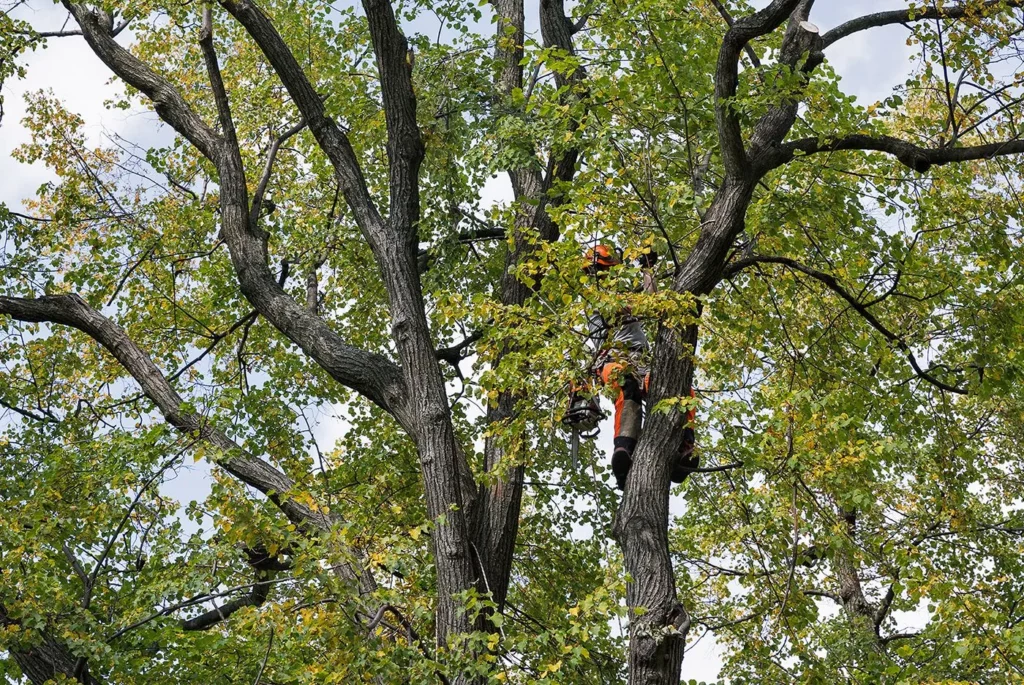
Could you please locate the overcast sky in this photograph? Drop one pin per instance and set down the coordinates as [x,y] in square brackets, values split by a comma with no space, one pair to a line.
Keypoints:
[870,63]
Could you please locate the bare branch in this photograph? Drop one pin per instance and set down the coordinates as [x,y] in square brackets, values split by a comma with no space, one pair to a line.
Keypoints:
[27,413]
[919,13]
[898,636]
[832,284]
[827,595]
[268,168]
[913,156]
[883,608]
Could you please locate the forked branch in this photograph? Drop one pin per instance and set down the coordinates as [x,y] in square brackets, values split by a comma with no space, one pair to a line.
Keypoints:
[833,284]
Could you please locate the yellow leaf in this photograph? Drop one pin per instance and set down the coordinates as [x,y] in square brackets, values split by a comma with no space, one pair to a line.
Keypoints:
[414,533]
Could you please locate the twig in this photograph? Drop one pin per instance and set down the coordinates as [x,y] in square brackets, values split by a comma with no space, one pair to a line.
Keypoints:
[270,643]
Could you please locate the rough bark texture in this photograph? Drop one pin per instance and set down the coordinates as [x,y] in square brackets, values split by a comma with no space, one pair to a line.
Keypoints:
[47,659]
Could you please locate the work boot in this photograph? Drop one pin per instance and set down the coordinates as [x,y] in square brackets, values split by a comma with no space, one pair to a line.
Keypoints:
[622,460]
[685,459]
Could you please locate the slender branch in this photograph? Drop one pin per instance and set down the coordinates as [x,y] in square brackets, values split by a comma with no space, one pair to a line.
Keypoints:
[217,338]
[899,636]
[713,469]
[268,167]
[329,136]
[821,593]
[28,414]
[90,582]
[220,95]
[199,599]
[266,657]
[883,608]
[729,21]
[832,284]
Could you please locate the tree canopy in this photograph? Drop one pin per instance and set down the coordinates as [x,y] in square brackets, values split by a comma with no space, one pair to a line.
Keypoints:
[313,240]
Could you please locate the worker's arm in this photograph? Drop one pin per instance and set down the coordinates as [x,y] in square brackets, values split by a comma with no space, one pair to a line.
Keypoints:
[647,262]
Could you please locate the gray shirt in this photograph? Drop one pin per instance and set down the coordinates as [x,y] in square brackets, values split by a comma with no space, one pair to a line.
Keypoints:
[626,334]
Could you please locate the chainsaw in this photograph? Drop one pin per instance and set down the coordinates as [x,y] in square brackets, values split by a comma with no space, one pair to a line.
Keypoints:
[581,419]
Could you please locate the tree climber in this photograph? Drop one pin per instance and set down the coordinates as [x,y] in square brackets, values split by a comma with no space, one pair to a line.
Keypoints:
[621,351]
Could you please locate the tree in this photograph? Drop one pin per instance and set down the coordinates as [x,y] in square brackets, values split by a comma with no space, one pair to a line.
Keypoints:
[859,409]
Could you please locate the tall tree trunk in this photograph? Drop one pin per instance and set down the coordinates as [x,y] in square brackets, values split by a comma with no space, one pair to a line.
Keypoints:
[658,622]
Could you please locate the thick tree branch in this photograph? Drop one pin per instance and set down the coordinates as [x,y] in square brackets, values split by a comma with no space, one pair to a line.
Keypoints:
[832,284]
[918,158]
[371,375]
[801,39]
[48,658]
[947,11]
[71,310]
[456,353]
[742,31]
[260,591]
[405,145]
[327,133]
[264,565]
[97,27]
[419,402]
[206,597]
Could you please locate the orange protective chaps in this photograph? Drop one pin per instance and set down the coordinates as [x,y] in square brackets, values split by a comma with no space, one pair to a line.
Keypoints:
[631,392]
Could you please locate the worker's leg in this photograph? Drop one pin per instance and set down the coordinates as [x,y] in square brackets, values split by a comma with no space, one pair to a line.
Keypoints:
[686,459]
[628,417]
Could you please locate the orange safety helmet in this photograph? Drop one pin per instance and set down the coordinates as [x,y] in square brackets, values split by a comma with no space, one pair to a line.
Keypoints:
[600,258]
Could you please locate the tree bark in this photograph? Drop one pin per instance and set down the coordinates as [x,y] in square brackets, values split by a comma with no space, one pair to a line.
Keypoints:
[45,661]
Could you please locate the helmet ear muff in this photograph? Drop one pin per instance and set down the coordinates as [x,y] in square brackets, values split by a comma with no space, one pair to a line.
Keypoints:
[648,259]
[601,258]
